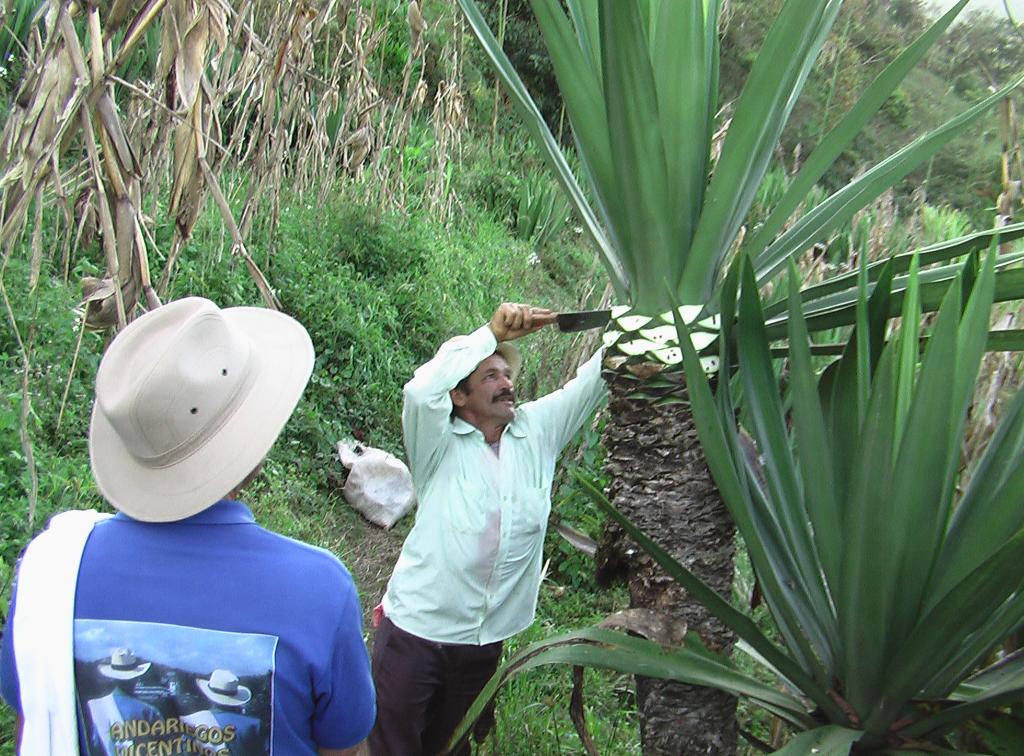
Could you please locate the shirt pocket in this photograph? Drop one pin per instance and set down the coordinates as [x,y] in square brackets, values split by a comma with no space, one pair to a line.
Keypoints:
[529,518]
[468,506]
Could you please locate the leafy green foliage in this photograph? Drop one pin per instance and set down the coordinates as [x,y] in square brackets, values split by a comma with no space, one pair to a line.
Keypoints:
[377,293]
[848,458]
[491,177]
[542,210]
[525,47]
[60,402]
[14,33]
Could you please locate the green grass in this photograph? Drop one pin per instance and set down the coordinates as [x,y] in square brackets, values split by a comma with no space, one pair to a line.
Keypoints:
[532,715]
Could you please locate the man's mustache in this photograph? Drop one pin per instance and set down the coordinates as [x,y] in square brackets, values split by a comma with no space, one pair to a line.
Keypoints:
[504,395]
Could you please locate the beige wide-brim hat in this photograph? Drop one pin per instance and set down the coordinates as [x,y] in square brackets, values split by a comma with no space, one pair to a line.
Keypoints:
[189,400]
[513,356]
[511,352]
[124,665]
[223,688]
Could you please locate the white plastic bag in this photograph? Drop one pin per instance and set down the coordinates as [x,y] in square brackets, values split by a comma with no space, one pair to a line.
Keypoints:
[379,484]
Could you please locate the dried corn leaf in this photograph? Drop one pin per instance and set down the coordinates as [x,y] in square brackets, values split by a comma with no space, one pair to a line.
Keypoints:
[51,106]
[186,192]
[191,58]
[115,131]
[217,11]
[170,41]
[119,10]
[138,26]
[96,289]
[124,228]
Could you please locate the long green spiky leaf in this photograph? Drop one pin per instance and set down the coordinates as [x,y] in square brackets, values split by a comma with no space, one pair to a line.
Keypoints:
[926,256]
[840,137]
[768,97]
[863,339]
[976,650]
[916,513]
[639,167]
[838,386]
[989,510]
[909,349]
[864,612]
[830,739]
[964,610]
[712,11]
[1005,340]
[584,20]
[948,720]
[1005,675]
[580,83]
[811,436]
[973,334]
[735,620]
[841,206]
[785,500]
[862,403]
[548,146]
[934,516]
[839,309]
[715,421]
[608,649]
[1000,340]
[682,71]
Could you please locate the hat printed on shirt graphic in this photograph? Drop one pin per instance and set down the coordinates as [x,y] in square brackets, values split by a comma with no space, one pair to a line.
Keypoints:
[189,399]
[223,688]
[124,665]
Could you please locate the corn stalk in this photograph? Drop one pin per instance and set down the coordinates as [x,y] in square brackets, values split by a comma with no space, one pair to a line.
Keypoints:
[252,89]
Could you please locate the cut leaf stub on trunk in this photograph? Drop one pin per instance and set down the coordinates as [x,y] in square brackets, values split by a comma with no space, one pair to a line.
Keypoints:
[641,340]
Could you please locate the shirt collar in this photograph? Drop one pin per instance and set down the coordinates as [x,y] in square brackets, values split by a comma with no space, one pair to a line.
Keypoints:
[461,427]
[224,512]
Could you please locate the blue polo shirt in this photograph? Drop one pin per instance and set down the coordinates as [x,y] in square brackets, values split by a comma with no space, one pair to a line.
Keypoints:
[277,619]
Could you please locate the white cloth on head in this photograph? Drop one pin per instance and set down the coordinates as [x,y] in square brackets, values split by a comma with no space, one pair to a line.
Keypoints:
[43,633]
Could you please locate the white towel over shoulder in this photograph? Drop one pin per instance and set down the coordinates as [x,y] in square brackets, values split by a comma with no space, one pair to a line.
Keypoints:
[43,633]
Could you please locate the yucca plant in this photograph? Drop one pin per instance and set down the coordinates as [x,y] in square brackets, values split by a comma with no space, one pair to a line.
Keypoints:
[542,210]
[666,211]
[887,588]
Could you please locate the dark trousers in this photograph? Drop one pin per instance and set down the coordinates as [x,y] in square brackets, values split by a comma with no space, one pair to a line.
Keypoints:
[424,689]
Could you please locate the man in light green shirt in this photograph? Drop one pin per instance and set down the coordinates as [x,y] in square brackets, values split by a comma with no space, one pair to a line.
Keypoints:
[469,572]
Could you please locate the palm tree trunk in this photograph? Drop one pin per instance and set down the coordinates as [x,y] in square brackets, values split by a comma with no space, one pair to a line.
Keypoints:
[661,482]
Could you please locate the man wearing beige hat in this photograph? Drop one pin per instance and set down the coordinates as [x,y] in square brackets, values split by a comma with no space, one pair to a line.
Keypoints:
[189,400]
[469,571]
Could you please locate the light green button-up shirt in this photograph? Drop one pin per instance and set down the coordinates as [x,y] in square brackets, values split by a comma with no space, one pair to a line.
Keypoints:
[470,569]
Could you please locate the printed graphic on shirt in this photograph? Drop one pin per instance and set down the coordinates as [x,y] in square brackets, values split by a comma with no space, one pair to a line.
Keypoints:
[147,689]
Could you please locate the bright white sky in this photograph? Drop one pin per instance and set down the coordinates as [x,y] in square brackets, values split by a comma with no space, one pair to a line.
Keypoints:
[996,6]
